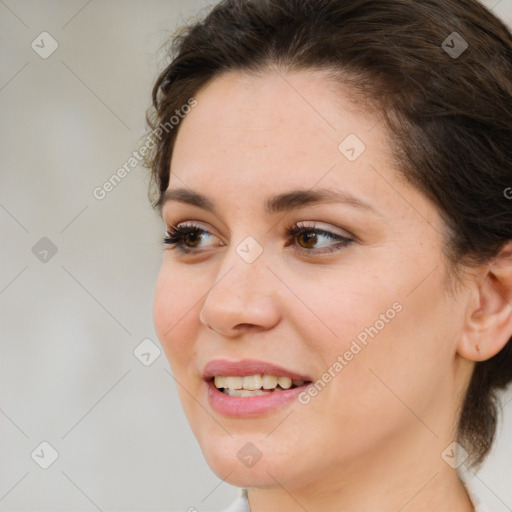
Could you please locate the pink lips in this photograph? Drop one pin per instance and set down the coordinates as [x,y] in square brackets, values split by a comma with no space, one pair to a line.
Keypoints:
[242,407]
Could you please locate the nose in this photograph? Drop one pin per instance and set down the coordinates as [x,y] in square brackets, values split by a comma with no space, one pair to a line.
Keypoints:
[243,297]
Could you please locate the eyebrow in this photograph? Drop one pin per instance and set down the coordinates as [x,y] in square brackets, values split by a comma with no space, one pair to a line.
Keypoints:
[285,201]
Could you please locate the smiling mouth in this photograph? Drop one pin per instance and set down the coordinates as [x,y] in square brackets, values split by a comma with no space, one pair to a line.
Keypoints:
[255,385]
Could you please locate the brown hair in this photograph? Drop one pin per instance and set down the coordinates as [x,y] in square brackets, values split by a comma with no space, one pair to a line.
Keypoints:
[448,110]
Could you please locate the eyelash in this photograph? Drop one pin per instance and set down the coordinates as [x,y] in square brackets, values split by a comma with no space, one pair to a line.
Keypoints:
[177,236]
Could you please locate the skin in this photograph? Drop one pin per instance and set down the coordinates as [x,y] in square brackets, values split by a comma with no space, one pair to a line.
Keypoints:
[373,438]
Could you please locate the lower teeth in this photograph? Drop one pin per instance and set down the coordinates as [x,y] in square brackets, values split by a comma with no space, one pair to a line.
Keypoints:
[247,392]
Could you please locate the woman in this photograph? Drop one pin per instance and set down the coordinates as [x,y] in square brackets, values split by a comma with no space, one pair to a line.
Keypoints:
[335,296]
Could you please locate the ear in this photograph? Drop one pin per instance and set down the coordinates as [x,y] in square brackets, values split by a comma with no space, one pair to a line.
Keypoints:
[488,322]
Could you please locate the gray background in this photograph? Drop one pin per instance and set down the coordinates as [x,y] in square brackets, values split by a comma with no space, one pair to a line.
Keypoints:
[70,321]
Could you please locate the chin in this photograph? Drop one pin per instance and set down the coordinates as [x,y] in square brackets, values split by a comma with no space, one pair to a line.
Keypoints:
[252,461]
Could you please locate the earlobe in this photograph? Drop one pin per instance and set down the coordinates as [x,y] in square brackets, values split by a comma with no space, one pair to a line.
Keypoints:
[488,324]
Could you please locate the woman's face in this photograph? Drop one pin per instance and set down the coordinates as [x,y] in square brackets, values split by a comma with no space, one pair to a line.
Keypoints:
[369,321]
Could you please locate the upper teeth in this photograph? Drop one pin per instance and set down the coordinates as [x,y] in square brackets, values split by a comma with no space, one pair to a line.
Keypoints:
[252,382]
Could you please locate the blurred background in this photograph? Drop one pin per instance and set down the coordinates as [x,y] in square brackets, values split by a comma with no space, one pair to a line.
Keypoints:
[89,414]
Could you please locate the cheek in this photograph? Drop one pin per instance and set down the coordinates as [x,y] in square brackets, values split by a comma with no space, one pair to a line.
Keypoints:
[334,307]
[391,345]
[175,314]
[175,306]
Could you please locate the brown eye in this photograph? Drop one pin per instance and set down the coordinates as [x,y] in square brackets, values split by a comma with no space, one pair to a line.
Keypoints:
[187,237]
[192,238]
[307,237]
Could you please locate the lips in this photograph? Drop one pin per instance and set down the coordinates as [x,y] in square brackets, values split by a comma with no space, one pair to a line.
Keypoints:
[246,367]
[250,406]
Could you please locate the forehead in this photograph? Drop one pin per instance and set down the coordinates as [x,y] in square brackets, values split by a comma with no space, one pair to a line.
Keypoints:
[252,136]
[272,116]
[274,105]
